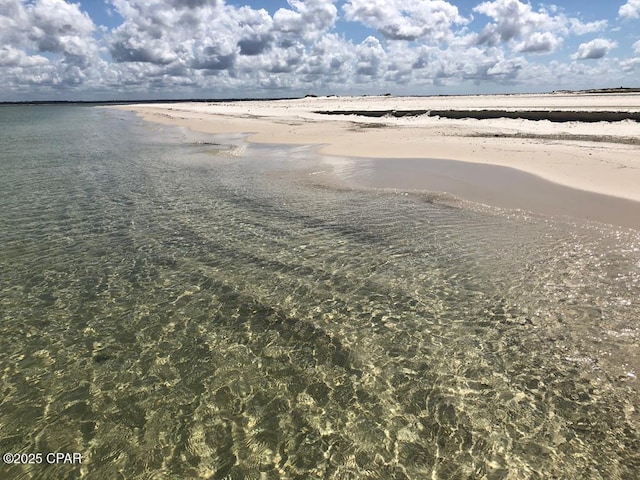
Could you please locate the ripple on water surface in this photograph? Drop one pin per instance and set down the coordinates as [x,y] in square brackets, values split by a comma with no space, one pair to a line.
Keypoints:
[173,309]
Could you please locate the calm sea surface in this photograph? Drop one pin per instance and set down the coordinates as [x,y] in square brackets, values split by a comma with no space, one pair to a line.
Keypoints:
[181,306]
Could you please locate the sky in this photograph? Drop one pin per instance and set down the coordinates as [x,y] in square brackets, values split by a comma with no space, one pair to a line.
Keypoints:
[173,49]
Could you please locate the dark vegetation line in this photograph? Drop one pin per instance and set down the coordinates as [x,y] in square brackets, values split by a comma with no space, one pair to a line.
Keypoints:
[551,115]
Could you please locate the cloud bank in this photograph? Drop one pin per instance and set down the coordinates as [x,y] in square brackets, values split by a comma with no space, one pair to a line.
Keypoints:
[210,48]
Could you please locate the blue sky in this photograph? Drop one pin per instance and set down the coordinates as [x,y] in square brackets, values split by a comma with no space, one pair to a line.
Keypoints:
[126,49]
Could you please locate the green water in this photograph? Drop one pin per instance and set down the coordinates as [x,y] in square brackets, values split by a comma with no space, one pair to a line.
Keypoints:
[180,306]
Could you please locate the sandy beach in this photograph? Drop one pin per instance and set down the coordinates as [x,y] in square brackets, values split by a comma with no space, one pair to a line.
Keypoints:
[564,138]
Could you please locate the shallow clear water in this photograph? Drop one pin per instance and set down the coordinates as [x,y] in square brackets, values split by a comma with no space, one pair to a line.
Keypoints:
[173,308]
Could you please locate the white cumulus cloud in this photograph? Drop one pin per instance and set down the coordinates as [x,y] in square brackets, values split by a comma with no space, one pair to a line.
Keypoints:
[630,65]
[580,28]
[53,26]
[431,20]
[539,42]
[508,68]
[45,43]
[370,57]
[308,18]
[594,49]
[525,30]
[13,57]
[630,10]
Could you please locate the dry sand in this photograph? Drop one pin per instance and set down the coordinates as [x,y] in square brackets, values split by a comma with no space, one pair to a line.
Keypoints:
[601,157]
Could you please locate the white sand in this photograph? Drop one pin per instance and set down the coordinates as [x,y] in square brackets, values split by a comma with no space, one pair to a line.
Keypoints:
[587,156]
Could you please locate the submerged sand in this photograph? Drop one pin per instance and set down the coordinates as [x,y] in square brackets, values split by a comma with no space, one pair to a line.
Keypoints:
[570,145]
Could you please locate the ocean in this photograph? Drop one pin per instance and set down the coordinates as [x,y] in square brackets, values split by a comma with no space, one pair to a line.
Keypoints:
[179,305]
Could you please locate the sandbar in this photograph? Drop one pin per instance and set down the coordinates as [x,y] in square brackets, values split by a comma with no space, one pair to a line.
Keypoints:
[587,142]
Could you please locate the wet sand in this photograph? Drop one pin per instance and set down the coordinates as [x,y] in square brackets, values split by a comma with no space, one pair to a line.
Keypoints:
[549,142]
[492,185]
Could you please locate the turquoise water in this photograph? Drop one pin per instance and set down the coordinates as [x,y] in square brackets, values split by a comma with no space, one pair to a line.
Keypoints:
[180,306]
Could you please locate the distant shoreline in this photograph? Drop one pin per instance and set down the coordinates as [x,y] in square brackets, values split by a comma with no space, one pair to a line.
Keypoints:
[599,91]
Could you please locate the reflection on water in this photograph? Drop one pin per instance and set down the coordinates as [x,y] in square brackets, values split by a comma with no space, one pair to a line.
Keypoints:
[176,309]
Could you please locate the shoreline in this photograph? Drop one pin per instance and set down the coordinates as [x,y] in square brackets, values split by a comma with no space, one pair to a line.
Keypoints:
[597,157]
[495,186]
